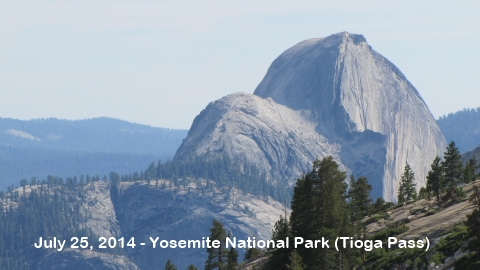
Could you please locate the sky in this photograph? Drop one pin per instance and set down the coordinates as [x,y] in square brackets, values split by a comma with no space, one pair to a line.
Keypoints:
[161,62]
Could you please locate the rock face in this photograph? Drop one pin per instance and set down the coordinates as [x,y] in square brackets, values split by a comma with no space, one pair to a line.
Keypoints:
[332,96]
[166,211]
[187,213]
[271,136]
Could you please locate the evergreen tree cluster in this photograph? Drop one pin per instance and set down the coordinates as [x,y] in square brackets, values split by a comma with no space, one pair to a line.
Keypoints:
[220,258]
[43,212]
[323,206]
[222,170]
[447,176]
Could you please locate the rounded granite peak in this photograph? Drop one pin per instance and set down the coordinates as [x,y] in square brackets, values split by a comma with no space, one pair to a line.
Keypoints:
[325,96]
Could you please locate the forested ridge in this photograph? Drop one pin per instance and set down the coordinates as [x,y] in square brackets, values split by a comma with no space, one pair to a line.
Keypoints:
[90,135]
[45,211]
[51,207]
[40,147]
[325,203]
[462,127]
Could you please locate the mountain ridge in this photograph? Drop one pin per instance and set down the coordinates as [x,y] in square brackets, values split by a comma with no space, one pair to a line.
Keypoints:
[371,116]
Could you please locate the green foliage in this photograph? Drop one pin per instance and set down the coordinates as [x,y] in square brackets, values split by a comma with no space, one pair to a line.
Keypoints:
[232,258]
[469,172]
[470,261]
[435,178]
[170,266]
[390,232]
[423,193]
[407,189]
[359,198]
[217,257]
[44,212]
[450,243]
[452,166]
[224,171]
[295,261]
[377,217]
[473,225]
[192,267]
[251,253]
[319,209]
[280,256]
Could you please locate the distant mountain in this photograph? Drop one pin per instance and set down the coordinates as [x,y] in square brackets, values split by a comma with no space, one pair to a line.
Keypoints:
[462,127]
[91,135]
[325,96]
[64,148]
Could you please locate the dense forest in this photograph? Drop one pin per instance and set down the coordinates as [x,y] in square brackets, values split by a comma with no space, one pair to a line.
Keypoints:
[220,171]
[48,211]
[463,127]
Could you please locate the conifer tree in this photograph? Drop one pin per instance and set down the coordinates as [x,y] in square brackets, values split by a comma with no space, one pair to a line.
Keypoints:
[280,256]
[295,261]
[319,210]
[359,200]
[407,190]
[170,266]
[452,166]
[469,173]
[232,258]
[192,267]
[435,178]
[217,257]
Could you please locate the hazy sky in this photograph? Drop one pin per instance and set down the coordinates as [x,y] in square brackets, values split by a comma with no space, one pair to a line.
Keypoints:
[161,62]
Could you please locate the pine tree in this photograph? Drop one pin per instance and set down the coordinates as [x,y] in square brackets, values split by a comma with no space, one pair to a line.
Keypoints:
[435,178]
[469,174]
[359,200]
[217,257]
[452,166]
[319,209]
[192,267]
[170,266]
[280,256]
[295,261]
[407,190]
[232,258]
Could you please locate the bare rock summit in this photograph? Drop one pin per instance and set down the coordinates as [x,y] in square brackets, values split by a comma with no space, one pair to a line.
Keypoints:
[325,96]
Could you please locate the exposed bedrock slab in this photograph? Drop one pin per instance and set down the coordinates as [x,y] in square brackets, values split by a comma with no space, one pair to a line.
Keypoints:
[331,96]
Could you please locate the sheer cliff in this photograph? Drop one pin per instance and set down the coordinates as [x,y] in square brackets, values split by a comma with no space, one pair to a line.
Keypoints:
[331,96]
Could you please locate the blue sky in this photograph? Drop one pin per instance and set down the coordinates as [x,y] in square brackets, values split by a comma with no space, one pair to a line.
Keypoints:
[161,62]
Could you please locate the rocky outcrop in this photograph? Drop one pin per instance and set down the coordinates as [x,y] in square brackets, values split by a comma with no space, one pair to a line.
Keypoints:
[271,136]
[363,110]
[102,219]
[186,212]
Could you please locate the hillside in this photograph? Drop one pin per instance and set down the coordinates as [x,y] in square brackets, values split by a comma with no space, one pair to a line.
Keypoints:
[462,127]
[441,223]
[173,210]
